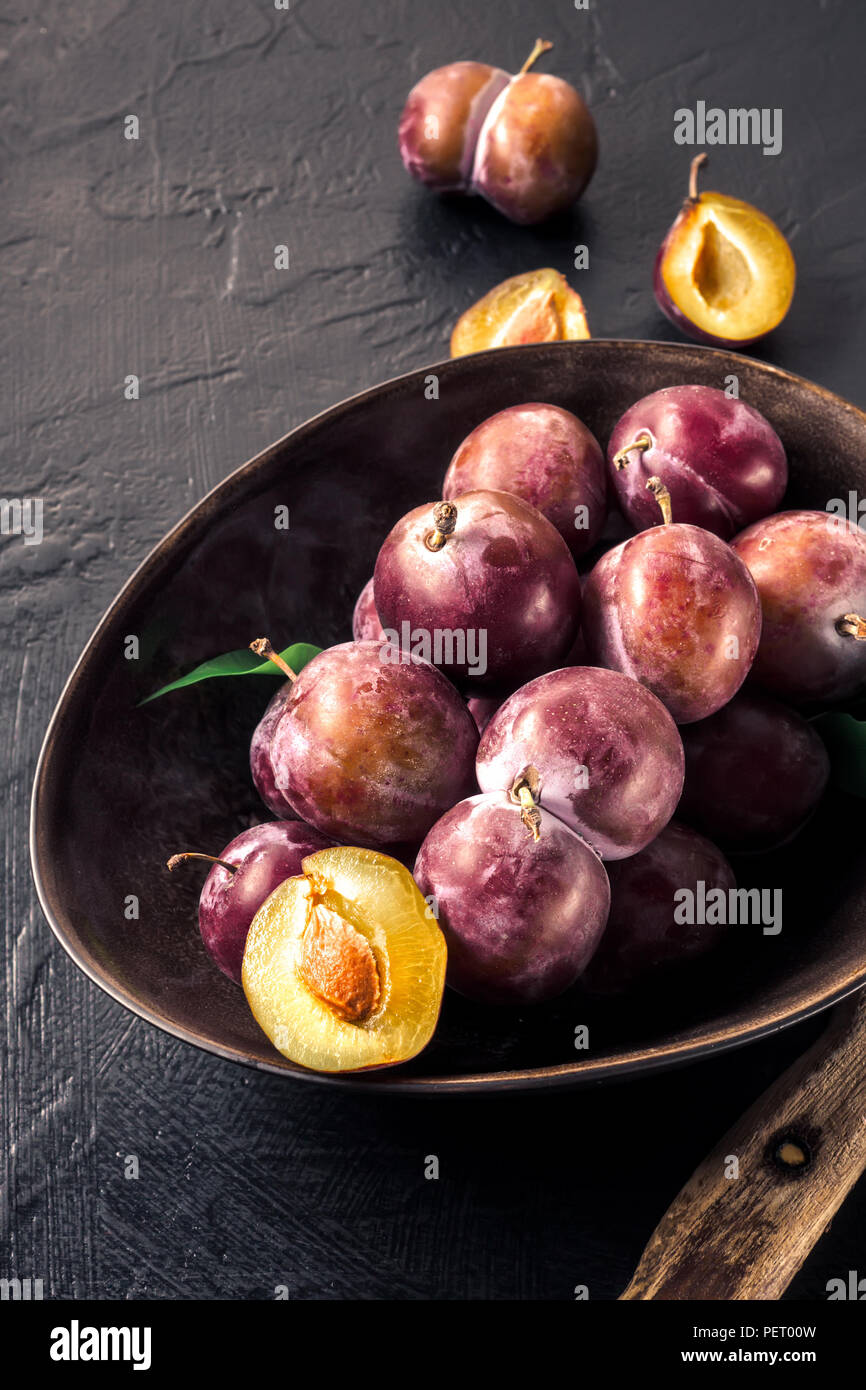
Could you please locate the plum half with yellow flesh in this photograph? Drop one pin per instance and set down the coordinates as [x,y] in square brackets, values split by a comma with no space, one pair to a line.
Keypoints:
[344,966]
[725,273]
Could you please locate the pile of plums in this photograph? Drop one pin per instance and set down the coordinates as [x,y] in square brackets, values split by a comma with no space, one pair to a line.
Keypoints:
[502,747]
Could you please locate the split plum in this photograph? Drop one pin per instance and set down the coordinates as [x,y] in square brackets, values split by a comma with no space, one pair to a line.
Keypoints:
[526,143]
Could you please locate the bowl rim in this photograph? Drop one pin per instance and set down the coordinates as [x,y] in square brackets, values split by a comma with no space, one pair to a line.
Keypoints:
[634,1061]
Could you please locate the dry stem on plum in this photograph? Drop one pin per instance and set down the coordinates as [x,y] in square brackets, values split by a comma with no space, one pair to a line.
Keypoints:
[541,46]
[641,442]
[698,161]
[663,497]
[852,625]
[262,647]
[525,791]
[176,859]
[444,522]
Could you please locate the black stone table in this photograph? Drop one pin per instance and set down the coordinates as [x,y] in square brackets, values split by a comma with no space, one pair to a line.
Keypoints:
[154,258]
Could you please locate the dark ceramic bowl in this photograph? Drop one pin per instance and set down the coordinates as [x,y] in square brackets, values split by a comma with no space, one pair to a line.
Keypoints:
[119,788]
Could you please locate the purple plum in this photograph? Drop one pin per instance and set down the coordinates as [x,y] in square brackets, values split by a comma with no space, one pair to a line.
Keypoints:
[260,756]
[607,754]
[260,858]
[647,896]
[521,915]
[546,456]
[755,772]
[722,462]
[485,583]
[365,620]
[483,707]
[676,609]
[373,745]
[810,569]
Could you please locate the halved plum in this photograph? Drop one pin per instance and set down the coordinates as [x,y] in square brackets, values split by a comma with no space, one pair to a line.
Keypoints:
[725,273]
[344,966]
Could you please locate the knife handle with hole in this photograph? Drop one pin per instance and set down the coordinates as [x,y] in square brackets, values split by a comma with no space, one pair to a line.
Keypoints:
[800,1148]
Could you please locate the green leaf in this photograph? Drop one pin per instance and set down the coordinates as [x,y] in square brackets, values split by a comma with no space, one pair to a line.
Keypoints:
[845,739]
[242,663]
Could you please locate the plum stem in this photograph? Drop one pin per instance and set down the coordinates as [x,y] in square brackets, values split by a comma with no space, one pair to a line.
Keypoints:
[663,497]
[541,46]
[176,859]
[444,523]
[262,647]
[641,441]
[522,792]
[697,163]
[852,625]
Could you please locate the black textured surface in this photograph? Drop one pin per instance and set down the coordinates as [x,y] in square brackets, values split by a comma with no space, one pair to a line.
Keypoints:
[155,258]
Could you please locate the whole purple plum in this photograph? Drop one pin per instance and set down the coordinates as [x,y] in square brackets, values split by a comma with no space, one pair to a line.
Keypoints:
[546,456]
[676,609]
[648,928]
[607,755]
[365,620]
[755,772]
[521,915]
[810,569]
[484,583]
[483,707]
[373,745]
[260,756]
[260,859]
[722,462]
[526,143]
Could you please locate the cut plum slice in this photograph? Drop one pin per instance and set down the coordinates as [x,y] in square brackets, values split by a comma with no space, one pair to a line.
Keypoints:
[538,306]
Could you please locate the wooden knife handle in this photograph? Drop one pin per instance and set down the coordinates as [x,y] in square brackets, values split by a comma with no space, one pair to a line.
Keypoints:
[799,1150]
